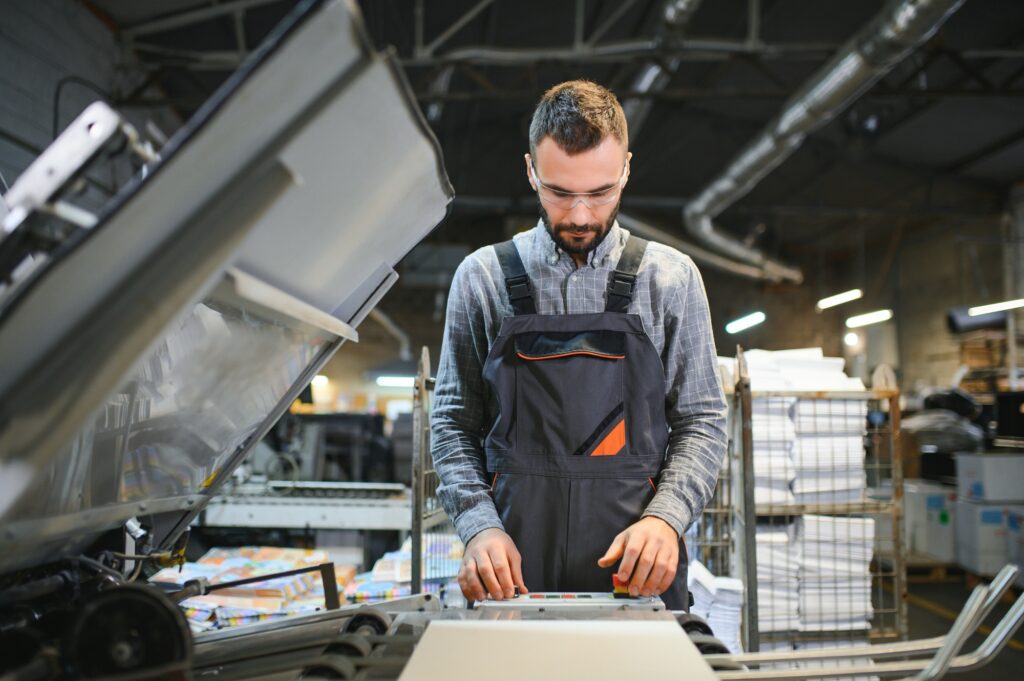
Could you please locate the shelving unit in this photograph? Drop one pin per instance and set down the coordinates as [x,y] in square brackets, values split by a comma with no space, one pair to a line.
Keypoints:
[805,466]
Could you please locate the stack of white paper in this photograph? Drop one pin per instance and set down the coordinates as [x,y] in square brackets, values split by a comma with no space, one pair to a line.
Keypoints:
[829,451]
[719,600]
[778,570]
[800,369]
[773,435]
[835,578]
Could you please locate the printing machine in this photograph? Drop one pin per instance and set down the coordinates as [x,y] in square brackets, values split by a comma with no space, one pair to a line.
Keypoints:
[147,348]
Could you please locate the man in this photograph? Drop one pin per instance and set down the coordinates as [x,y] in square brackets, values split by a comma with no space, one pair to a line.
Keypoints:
[578,420]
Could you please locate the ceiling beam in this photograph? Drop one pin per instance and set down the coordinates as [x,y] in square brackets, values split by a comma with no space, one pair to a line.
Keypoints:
[689,94]
[192,16]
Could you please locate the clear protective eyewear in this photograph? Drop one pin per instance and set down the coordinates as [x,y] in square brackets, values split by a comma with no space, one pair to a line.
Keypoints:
[568,200]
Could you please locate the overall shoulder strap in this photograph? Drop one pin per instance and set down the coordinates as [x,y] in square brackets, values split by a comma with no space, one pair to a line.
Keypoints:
[517,283]
[623,279]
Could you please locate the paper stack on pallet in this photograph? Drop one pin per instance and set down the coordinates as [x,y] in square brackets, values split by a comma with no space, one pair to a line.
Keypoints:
[835,578]
[773,432]
[778,570]
[829,451]
[829,448]
[807,450]
[719,600]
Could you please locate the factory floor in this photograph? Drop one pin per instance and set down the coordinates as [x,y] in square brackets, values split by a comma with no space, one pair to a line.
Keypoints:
[932,608]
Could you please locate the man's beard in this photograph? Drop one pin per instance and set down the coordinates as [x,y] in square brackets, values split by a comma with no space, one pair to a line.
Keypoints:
[560,233]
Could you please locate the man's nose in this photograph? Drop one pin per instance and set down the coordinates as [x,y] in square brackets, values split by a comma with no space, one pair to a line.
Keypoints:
[580,214]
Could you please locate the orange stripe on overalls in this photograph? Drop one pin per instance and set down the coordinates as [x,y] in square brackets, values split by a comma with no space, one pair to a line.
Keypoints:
[613,442]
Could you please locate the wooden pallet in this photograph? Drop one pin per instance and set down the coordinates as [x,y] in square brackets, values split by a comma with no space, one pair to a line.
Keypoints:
[927,570]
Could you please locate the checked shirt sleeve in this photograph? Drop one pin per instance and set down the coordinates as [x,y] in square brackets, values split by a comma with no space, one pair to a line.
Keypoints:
[694,402]
[458,413]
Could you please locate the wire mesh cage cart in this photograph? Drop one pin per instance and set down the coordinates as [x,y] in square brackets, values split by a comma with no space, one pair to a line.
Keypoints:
[435,548]
[819,508]
[711,538]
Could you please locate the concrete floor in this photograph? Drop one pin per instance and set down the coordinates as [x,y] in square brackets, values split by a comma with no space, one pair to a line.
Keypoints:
[932,608]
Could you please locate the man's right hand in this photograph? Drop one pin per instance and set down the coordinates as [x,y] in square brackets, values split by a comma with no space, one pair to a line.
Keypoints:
[491,565]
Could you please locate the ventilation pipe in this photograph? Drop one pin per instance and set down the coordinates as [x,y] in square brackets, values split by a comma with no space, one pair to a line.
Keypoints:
[701,255]
[901,27]
[653,76]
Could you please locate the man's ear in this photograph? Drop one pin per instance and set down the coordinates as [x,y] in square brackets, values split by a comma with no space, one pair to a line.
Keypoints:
[529,175]
[629,157]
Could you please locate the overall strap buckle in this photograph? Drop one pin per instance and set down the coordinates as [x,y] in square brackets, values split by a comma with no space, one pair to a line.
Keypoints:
[517,282]
[520,292]
[622,282]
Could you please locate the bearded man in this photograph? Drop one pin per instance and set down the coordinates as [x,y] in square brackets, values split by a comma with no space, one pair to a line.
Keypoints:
[578,421]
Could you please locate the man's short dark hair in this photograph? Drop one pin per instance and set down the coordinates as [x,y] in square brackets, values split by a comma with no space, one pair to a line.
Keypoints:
[578,114]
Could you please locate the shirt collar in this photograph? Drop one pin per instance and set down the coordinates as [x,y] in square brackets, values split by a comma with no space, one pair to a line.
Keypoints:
[546,246]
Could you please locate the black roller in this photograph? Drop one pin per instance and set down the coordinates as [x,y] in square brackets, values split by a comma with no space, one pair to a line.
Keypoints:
[330,666]
[708,645]
[127,630]
[694,624]
[368,622]
[353,645]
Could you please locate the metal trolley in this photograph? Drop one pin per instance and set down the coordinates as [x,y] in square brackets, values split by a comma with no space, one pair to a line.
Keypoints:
[435,548]
[817,488]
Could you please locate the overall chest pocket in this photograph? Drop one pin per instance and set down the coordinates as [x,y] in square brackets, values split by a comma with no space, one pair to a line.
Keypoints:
[569,393]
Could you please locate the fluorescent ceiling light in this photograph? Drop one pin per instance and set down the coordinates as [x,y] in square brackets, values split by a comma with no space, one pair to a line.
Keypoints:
[839,299]
[396,381]
[996,307]
[319,380]
[744,323]
[868,318]
[851,339]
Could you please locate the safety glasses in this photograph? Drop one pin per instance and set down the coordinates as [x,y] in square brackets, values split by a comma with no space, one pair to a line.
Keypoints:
[568,200]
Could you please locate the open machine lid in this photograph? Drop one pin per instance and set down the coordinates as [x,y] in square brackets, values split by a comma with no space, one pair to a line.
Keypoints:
[146,356]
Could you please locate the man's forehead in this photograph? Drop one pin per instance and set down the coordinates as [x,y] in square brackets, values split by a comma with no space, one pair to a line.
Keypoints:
[584,171]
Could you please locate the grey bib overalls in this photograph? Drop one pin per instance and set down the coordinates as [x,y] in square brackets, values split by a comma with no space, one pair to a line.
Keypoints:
[579,433]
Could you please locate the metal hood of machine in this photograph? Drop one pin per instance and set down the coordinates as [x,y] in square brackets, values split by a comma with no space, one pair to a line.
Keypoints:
[148,354]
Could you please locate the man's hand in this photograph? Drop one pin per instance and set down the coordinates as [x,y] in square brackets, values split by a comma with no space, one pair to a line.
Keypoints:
[649,549]
[491,565]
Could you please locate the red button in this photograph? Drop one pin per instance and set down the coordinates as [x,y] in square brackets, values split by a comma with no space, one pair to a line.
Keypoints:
[568,595]
[536,595]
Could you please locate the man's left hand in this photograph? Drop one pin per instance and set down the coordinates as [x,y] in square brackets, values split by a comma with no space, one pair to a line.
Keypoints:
[649,549]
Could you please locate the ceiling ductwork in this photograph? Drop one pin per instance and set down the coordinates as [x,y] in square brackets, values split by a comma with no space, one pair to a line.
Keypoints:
[654,76]
[701,255]
[901,27]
